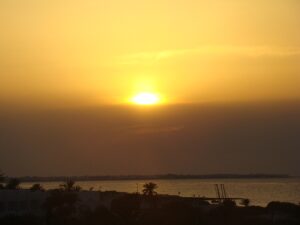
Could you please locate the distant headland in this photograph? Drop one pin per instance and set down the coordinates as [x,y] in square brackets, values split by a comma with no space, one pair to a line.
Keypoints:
[151,177]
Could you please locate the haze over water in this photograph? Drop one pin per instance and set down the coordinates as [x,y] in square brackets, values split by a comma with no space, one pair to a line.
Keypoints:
[179,139]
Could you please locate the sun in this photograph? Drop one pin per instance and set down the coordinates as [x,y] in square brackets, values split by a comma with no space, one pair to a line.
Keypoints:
[146,98]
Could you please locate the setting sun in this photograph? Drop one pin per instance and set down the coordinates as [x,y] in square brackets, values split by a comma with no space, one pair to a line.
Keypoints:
[145,99]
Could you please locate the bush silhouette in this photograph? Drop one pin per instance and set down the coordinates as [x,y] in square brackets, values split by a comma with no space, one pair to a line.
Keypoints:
[37,187]
[13,184]
[149,189]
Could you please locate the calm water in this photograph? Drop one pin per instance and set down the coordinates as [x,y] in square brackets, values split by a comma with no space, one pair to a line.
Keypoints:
[260,191]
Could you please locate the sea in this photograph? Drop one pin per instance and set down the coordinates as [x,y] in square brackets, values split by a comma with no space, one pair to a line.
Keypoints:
[259,191]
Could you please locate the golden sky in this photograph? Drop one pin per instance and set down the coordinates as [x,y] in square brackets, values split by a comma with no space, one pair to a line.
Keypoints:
[104,52]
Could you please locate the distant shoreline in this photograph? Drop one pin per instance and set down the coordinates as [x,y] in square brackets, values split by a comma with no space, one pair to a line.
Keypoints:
[151,177]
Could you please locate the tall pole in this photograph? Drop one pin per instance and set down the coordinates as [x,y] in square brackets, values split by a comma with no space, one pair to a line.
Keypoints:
[223,191]
[217,191]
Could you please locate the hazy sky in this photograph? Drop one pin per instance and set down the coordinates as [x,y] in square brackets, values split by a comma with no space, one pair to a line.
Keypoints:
[94,52]
[229,72]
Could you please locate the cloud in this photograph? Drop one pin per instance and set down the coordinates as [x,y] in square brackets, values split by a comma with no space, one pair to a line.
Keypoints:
[154,129]
[211,51]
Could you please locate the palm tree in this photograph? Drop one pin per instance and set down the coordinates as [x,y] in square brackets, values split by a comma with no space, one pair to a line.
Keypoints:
[37,187]
[149,189]
[70,186]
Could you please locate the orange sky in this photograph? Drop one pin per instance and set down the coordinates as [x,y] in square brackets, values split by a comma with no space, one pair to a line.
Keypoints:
[103,52]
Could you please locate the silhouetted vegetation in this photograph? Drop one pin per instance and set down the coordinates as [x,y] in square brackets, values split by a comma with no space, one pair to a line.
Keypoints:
[149,189]
[13,184]
[64,207]
[2,178]
[70,186]
[37,187]
[61,207]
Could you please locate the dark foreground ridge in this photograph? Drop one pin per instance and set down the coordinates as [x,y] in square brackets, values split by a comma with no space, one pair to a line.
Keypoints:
[70,205]
[152,177]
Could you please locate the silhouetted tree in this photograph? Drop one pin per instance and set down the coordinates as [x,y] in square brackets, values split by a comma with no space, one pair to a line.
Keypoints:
[149,189]
[61,205]
[70,186]
[2,178]
[13,184]
[37,187]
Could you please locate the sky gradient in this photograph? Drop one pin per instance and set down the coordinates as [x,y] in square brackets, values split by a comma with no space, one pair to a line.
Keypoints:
[103,52]
[228,73]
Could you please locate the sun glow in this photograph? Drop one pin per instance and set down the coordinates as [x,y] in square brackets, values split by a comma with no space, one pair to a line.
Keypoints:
[146,99]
